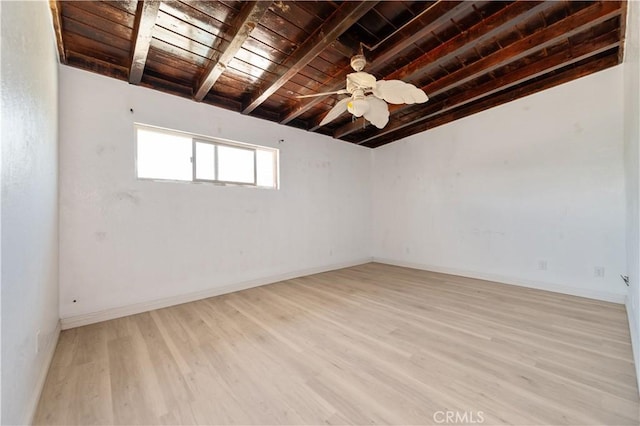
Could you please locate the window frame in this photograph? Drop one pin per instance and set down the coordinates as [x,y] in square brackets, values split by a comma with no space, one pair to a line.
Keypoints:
[215,142]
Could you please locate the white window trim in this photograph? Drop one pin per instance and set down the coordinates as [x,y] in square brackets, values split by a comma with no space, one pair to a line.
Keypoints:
[195,138]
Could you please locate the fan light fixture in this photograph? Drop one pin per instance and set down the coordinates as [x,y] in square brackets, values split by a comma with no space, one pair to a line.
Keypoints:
[369,97]
[358,105]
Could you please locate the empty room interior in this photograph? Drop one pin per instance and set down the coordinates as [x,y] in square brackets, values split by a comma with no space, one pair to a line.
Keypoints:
[320,212]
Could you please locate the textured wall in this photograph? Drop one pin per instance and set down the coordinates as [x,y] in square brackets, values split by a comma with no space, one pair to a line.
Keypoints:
[530,192]
[126,241]
[29,204]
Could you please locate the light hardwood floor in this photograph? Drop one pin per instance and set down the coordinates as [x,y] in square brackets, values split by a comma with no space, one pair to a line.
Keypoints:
[372,344]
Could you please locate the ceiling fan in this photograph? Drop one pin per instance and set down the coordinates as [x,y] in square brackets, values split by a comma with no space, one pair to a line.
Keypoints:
[369,97]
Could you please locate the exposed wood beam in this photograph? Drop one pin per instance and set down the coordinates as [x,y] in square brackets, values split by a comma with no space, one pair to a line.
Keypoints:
[341,20]
[330,86]
[56,14]
[146,15]
[157,82]
[492,26]
[345,49]
[243,24]
[561,30]
[96,65]
[575,54]
[436,15]
[623,30]
[186,91]
[538,85]
[503,20]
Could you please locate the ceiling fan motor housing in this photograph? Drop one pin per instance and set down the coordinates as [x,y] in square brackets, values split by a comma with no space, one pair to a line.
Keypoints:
[360,81]
[358,62]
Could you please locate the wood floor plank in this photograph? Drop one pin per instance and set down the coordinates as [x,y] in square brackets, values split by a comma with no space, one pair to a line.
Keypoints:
[372,344]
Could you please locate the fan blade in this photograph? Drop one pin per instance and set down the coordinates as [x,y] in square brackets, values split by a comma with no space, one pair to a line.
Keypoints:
[337,110]
[337,92]
[399,92]
[378,113]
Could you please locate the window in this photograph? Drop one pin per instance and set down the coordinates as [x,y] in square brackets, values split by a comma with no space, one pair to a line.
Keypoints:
[171,155]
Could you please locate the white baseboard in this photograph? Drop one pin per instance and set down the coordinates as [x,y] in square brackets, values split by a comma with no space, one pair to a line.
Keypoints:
[50,350]
[635,338]
[123,311]
[590,294]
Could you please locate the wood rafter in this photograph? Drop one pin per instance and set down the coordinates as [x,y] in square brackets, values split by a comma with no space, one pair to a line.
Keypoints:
[257,57]
[244,23]
[146,15]
[564,76]
[56,13]
[436,15]
[490,27]
[537,41]
[341,20]
[96,65]
[623,31]
[536,69]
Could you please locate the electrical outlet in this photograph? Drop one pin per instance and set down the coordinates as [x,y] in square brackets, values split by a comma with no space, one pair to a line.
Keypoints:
[598,271]
[542,265]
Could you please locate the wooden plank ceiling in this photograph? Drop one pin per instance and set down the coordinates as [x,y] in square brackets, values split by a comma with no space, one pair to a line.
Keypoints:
[256,57]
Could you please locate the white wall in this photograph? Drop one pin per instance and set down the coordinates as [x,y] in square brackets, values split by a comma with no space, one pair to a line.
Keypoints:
[632,163]
[128,242]
[494,194]
[29,205]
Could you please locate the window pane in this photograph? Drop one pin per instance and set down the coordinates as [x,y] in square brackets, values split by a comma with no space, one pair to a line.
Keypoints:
[163,156]
[205,161]
[235,164]
[266,168]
